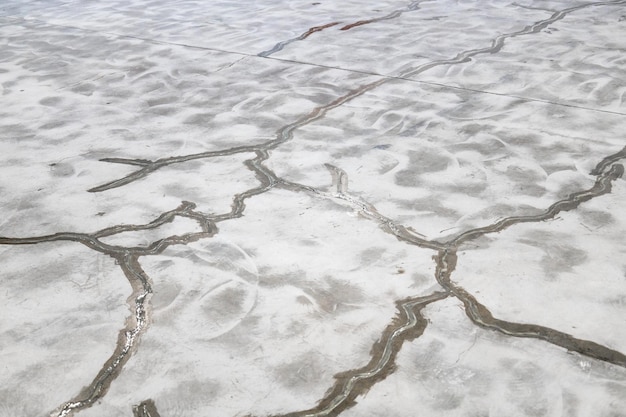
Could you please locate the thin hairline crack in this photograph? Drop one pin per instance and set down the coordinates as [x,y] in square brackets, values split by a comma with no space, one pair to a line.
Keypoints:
[394,14]
[285,133]
[408,325]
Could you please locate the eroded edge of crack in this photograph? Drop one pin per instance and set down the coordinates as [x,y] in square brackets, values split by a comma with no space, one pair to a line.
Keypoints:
[407,325]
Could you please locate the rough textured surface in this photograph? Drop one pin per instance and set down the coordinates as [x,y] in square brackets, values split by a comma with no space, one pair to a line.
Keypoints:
[312,208]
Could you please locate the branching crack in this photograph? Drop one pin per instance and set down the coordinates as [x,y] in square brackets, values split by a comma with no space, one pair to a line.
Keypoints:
[146,409]
[396,13]
[409,323]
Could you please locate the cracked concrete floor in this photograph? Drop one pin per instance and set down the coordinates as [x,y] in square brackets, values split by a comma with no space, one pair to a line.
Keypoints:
[304,208]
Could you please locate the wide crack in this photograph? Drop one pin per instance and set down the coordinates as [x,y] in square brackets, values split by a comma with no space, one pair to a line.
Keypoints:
[409,323]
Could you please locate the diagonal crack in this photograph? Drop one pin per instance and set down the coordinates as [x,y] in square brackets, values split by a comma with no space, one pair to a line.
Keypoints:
[281,45]
[481,316]
[146,408]
[343,393]
[407,326]
[394,14]
[285,133]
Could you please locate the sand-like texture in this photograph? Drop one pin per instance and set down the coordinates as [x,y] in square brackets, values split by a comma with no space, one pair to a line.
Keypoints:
[272,208]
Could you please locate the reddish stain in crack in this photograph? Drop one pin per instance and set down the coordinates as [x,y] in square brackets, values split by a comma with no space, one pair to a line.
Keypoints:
[317,29]
[359,23]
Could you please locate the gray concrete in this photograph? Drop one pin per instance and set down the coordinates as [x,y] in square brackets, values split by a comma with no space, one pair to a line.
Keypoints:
[298,208]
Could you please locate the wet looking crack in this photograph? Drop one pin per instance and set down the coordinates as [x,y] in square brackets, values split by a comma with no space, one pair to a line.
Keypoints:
[409,323]
[146,408]
[281,45]
[396,13]
[351,384]
[139,301]
[285,133]
[127,340]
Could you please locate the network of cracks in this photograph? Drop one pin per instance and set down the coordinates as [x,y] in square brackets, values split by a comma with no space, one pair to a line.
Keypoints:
[408,324]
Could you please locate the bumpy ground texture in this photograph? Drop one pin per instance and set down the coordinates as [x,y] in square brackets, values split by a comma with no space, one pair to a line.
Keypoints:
[312,208]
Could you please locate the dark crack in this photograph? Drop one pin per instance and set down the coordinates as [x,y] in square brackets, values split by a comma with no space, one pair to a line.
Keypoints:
[408,325]
[281,45]
[343,393]
[481,316]
[396,13]
[127,339]
[286,132]
[608,161]
[146,409]
[602,186]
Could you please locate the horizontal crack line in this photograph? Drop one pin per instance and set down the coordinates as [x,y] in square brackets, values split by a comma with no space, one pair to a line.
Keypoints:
[285,133]
[386,76]
[92,240]
[396,13]
[411,324]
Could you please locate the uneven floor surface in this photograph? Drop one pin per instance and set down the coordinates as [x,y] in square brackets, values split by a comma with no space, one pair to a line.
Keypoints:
[312,208]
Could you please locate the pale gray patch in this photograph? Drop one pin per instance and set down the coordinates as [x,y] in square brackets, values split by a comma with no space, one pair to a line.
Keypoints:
[50,101]
[528,177]
[486,146]
[524,140]
[278,280]
[596,218]
[472,129]
[224,305]
[201,119]
[163,111]
[500,211]
[616,300]
[165,294]
[426,361]
[617,389]
[371,255]
[350,151]
[551,168]
[570,403]
[53,125]
[407,178]
[447,399]
[162,100]
[421,279]
[85,89]
[559,256]
[13,403]
[179,191]
[187,395]
[427,160]
[473,189]
[335,294]
[526,389]
[243,338]
[304,372]
[428,205]
[18,132]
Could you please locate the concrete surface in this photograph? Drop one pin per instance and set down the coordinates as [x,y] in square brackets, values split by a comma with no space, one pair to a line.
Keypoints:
[312,208]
